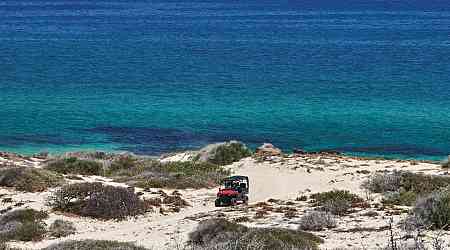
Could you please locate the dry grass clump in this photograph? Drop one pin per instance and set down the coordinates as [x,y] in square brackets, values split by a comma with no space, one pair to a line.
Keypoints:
[403,188]
[337,202]
[222,234]
[29,179]
[175,200]
[23,224]
[154,202]
[93,245]
[74,165]
[61,228]
[98,201]
[317,221]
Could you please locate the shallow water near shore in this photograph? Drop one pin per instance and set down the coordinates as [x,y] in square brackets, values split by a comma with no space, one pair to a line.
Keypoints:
[366,78]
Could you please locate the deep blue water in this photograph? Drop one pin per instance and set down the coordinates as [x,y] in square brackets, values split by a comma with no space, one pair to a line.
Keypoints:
[364,77]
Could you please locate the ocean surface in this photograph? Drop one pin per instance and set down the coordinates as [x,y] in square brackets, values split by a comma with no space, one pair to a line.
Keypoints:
[363,77]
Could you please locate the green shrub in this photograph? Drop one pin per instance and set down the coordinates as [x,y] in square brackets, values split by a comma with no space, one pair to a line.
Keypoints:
[337,201]
[405,198]
[229,235]
[227,153]
[61,228]
[74,165]
[93,245]
[29,179]
[97,200]
[23,224]
[433,211]
[422,184]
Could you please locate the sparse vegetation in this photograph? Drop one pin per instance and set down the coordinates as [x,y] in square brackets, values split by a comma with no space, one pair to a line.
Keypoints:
[29,179]
[23,224]
[403,188]
[61,228]
[125,166]
[178,175]
[74,165]
[317,221]
[337,202]
[97,200]
[146,173]
[93,245]
[229,235]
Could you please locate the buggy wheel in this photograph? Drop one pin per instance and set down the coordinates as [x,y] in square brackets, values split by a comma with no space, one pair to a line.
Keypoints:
[233,202]
[246,200]
[218,203]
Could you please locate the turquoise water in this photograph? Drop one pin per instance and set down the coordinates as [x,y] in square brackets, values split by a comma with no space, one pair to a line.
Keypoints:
[365,77]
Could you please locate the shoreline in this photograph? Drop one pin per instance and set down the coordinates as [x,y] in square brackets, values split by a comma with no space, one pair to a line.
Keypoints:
[348,155]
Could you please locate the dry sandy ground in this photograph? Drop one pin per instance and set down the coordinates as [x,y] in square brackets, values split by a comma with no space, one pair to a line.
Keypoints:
[279,178]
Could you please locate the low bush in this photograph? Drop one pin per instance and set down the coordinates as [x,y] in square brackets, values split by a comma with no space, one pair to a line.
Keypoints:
[399,198]
[61,228]
[422,184]
[29,179]
[93,245]
[403,188]
[433,211]
[97,200]
[224,153]
[317,221]
[23,224]
[383,182]
[222,234]
[74,165]
[337,202]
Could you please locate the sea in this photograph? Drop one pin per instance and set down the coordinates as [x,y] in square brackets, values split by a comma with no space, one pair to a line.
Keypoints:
[363,77]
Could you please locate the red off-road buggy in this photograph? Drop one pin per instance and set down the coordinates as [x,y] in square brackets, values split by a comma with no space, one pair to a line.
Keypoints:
[235,191]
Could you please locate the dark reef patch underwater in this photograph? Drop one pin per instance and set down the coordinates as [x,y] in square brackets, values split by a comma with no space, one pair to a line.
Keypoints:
[364,77]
